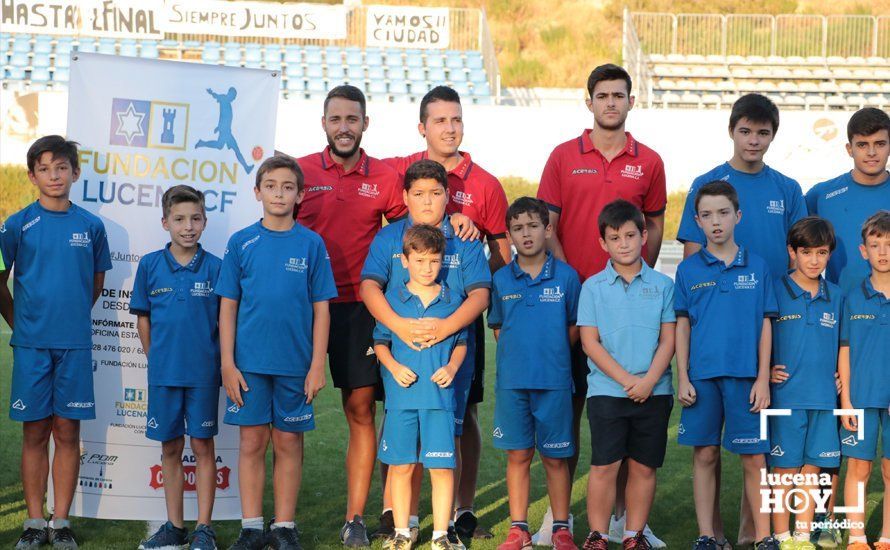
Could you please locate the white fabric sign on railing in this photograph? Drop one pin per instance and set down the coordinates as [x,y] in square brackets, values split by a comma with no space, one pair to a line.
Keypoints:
[115,19]
[267,19]
[143,126]
[407,27]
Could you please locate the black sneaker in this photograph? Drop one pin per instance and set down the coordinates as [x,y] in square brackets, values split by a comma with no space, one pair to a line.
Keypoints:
[466,524]
[62,539]
[354,534]
[705,543]
[768,543]
[203,538]
[283,538]
[387,528]
[250,539]
[454,539]
[32,538]
[167,536]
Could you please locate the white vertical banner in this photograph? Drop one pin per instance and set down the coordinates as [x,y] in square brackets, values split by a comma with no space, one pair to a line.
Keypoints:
[144,126]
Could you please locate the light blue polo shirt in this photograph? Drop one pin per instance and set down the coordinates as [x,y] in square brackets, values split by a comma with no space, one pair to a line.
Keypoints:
[770,203]
[275,276]
[847,204]
[726,306]
[806,335]
[423,393]
[56,256]
[866,329]
[534,316]
[184,314]
[628,317]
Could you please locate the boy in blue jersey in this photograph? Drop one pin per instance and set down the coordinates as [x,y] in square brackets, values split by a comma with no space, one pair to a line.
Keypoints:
[851,198]
[177,315]
[60,255]
[806,334]
[723,373]
[770,200]
[534,306]
[419,424]
[627,320]
[275,284]
[464,268]
[864,368]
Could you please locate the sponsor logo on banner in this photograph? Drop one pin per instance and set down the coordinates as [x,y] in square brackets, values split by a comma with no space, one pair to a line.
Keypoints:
[407,27]
[189,474]
[94,467]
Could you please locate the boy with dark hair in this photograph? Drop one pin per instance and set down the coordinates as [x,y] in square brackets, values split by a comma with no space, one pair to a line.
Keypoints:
[771,201]
[849,199]
[419,423]
[464,269]
[275,273]
[864,368]
[626,315]
[806,333]
[533,310]
[177,318]
[723,375]
[60,255]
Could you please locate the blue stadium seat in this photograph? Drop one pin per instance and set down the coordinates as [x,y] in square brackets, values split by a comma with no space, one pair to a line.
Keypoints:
[333,55]
[419,87]
[272,56]
[19,59]
[43,44]
[292,54]
[16,73]
[437,76]
[253,64]
[40,74]
[416,73]
[37,86]
[107,46]
[478,75]
[336,72]
[21,43]
[169,44]
[395,73]
[210,54]
[40,60]
[377,87]
[295,85]
[373,57]
[63,60]
[86,45]
[194,45]
[355,73]
[414,60]
[354,57]
[294,71]
[316,85]
[61,75]
[314,71]
[454,61]
[148,49]
[253,53]
[435,60]
[461,87]
[398,87]
[232,54]
[474,60]
[376,73]
[313,56]
[393,59]
[64,45]
[481,90]
[128,48]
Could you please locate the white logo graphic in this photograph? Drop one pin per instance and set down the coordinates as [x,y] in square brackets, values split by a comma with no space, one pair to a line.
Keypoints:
[249,242]
[554,294]
[79,239]
[315,188]
[746,282]
[81,404]
[632,171]
[776,497]
[438,454]
[579,171]
[828,320]
[3,228]
[850,441]
[498,433]
[293,419]
[681,429]
[30,224]
[152,423]
[777,451]
[463,198]
[234,409]
[836,192]
[369,190]
[829,454]
[202,289]
[776,207]
[451,260]
[130,124]
[370,351]
[746,440]
[297,265]
[383,445]
[19,405]
[208,424]
[560,445]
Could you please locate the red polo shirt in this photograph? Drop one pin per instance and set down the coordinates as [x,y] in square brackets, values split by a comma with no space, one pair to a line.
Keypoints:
[346,209]
[578,182]
[471,191]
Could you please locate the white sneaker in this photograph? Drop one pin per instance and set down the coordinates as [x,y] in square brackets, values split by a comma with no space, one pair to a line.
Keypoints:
[542,537]
[654,541]
[616,528]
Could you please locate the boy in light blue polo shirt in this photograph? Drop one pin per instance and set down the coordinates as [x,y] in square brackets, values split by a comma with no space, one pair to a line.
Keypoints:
[419,423]
[864,368]
[275,284]
[534,305]
[806,334]
[724,300]
[177,315]
[627,321]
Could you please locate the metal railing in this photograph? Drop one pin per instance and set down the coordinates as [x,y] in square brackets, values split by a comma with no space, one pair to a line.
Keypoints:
[635,63]
[764,35]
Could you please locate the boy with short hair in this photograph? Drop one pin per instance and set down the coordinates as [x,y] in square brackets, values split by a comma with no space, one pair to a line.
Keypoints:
[864,368]
[60,255]
[723,374]
[419,423]
[177,318]
[806,334]
[533,311]
[626,315]
[275,274]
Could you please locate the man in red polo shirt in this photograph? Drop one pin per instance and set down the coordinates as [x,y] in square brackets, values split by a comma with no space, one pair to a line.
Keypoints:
[478,195]
[347,194]
[581,176]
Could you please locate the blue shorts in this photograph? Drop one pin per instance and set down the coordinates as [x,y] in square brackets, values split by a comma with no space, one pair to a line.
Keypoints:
[272,399]
[51,382]
[462,383]
[722,401]
[174,411]
[867,447]
[525,419]
[412,436]
[805,437]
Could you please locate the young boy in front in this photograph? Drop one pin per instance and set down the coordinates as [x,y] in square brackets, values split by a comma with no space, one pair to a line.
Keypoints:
[275,284]
[864,368]
[60,255]
[533,310]
[806,334]
[723,299]
[177,316]
[419,423]
[626,315]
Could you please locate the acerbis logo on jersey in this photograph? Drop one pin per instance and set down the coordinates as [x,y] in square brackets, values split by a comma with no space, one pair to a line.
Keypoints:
[247,243]
[315,188]
[776,207]
[79,239]
[584,171]
[30,224]
[746,282]
[297,265]
[461,197]
[632,171]
[554,294]
[369,190]
[836,192]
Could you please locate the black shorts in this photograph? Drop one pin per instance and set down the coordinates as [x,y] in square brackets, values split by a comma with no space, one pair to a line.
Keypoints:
[351,346]
[477,388]
[620,428]
[580,370]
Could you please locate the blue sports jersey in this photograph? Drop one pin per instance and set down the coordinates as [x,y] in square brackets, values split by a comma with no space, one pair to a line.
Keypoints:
[806,334]
[275,276]
[847,204]
[726,306]
[423,393]
[770,203]
[865,327]
[534,315]
[184,314]
[56,256]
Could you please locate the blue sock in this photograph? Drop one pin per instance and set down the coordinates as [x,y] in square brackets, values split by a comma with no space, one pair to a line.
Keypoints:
[521,524]
[560,524]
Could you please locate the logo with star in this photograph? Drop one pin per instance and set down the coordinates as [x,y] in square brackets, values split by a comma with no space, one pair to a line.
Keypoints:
[129,122]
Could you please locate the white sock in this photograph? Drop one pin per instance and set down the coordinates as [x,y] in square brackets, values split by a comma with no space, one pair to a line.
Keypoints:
[413,521]
[462,511]
[35,523]
[451,523]
[783,536]
[439,534]
[605,537]
[801,536]
[59,523]
[284,524]
[252,523]
[629,534]
[858,538]
[385,510]
[404,532]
